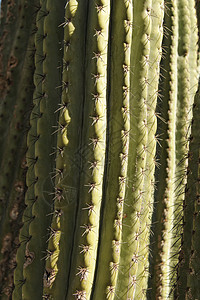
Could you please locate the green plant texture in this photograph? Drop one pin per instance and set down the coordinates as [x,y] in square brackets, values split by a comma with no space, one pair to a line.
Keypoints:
[100,149]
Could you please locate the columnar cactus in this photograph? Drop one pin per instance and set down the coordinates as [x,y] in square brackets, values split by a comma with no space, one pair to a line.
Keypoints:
[99,151]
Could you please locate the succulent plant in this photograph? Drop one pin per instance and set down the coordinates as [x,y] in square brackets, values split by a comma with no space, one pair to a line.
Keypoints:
[99,149]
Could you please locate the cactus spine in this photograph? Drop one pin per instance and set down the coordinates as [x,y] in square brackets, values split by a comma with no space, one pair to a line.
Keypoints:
[112,149]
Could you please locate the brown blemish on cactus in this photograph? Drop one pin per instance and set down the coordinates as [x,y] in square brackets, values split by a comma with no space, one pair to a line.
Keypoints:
[12,63]
[7,243]
[29,257]
[8,264]
[49,277]
[14,212]
[6,80]
[19,187]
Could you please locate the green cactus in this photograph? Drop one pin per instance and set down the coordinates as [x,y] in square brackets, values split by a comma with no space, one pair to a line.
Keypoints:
[99,149]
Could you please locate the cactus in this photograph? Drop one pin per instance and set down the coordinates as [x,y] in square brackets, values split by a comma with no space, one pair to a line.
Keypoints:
[99,151]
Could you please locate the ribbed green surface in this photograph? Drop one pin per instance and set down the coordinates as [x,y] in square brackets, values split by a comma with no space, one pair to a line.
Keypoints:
[165,194]
[68,150]
[111,199]
[131,233]
[187,85]
[188,258]
[23,258]
[118,127]
[41,209]
[14,66]
[192,195]
[94,140]
[11,12]
[153,61]
[15,152]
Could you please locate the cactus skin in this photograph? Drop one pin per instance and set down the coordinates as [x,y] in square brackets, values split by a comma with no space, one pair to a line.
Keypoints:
[12,225]
[94,137]
[193,184]
[190,263]
[22,257]
[14,67]
[188,258]
[187,86]
[16,148]
[131,234]
[33,272]
[113,81]
[67,156]
[156,14]
[12,188]
[179,86]
[10,21]
[118,128]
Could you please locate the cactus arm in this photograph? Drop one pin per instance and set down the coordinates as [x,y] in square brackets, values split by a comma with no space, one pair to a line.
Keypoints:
[156,36]
[41,208]
[14,69]
[127,280]
[15,149]
[192,195]
[22,257]
[9,27]
[3,32]
[194,49]
[164,196]
[188,259]
[13,153]
[16,129]
[3,11]
[93,139]
[169,191]
[197,7]
[68,149]
[181,164]
[12,224]
[118,128]
[187,85]
[183,116]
